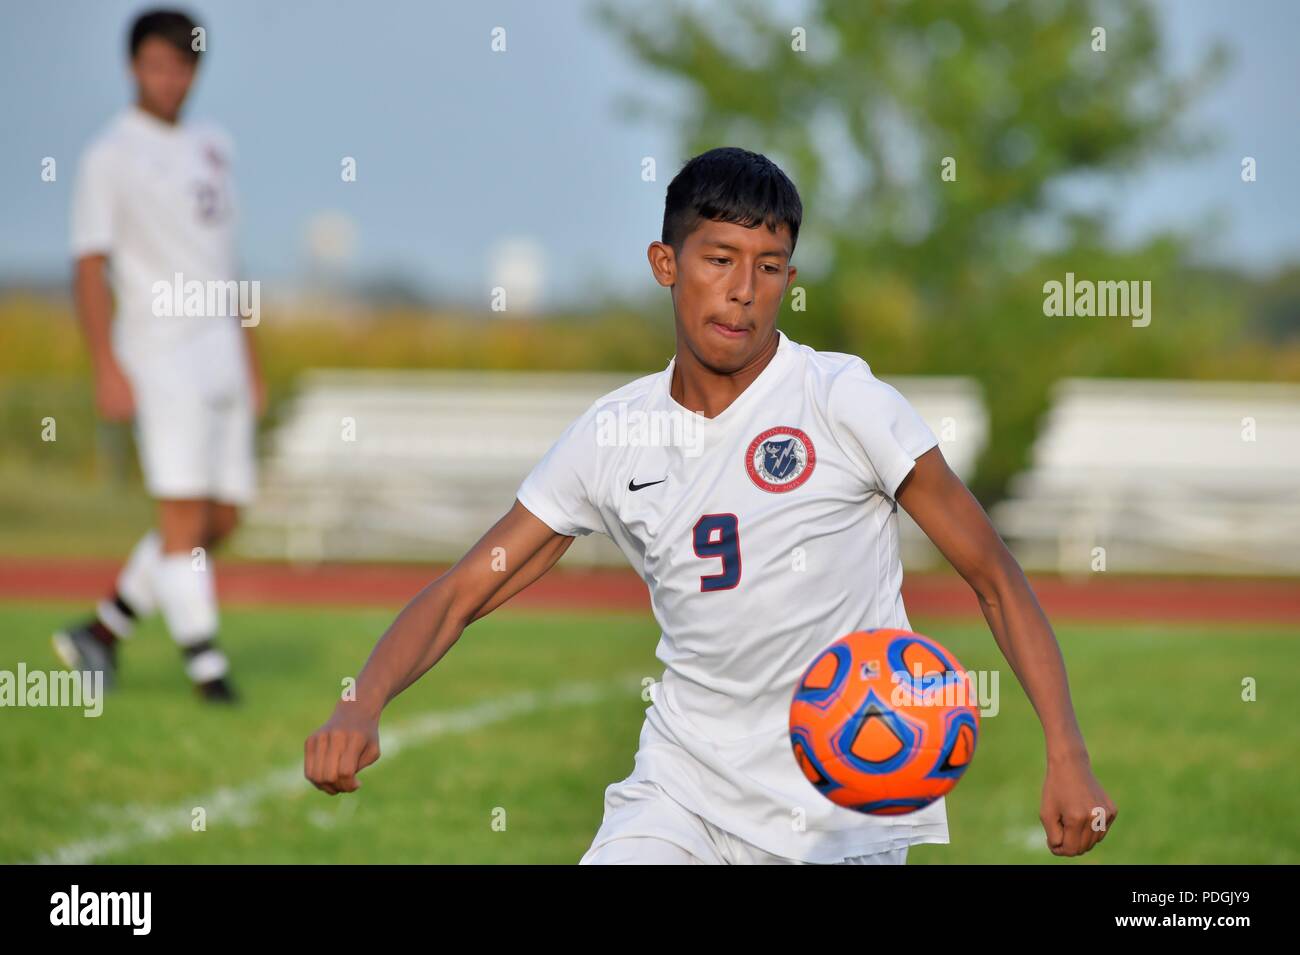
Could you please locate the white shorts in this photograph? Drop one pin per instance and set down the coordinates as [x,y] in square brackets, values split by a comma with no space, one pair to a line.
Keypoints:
[643,825]
[195,426]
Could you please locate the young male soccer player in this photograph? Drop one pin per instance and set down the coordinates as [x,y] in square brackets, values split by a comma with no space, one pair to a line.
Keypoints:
[798,449]
[152,204]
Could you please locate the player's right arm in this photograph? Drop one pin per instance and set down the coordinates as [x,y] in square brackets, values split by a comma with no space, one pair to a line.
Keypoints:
[95,232]
[94,304]
[518,550]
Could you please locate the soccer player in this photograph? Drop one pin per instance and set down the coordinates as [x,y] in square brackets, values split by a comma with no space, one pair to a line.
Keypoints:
[797,450]
[153,204]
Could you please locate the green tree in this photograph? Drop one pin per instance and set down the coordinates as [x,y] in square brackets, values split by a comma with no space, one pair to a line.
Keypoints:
[866,103]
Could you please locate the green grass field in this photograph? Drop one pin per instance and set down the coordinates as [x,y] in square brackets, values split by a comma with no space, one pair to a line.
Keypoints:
[534,714]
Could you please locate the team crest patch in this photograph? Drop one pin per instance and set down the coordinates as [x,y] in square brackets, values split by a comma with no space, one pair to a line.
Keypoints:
[780,459]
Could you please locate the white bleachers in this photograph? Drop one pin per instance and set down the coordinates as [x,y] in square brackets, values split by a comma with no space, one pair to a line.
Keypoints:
[437,456]
[1163,476]
[434,460]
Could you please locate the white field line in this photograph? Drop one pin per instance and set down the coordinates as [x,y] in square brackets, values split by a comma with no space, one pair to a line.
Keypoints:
[236,805]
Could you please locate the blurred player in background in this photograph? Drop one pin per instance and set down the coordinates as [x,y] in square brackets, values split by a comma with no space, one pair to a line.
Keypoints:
[153,204]
[798,451]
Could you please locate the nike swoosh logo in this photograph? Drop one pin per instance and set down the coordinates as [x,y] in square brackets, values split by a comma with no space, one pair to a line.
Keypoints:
[633,486]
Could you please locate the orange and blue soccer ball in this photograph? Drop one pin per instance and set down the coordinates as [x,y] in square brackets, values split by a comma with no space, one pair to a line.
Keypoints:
[884,721]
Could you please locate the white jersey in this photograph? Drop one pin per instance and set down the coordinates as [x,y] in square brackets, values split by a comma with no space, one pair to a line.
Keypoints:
[157,199]
[763,536]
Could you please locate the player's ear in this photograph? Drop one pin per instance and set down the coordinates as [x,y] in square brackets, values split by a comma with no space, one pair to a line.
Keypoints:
[663,263]
[789,277]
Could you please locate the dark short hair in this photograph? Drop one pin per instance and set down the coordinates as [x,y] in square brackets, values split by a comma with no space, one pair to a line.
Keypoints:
[730,184]
[175,27]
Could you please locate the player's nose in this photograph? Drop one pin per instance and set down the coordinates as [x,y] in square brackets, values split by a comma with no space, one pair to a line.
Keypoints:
[742,293]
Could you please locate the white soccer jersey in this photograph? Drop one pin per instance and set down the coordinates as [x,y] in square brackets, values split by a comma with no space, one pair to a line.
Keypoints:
[158,200]
[763,536]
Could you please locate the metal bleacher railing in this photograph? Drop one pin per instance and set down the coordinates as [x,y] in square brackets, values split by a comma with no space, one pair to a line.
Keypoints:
[382,465]
[1161,477]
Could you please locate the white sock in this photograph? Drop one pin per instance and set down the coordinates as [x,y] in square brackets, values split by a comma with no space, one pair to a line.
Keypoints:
[188,599]
[135,582]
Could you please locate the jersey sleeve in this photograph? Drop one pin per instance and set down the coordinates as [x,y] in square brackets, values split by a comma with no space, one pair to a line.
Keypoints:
[222,141]
[93,204]
[561,489]
[877,428]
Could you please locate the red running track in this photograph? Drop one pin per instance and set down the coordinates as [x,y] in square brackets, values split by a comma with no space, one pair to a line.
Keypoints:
[1097,598]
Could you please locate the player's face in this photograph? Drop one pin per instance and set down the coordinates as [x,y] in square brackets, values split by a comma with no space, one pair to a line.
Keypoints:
[727,284]
[163,75]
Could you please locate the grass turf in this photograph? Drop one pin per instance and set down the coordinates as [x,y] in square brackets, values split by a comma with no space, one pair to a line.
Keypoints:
[1198,774]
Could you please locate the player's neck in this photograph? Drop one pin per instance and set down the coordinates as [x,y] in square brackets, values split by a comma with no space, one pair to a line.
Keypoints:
[699,388]
[171,120]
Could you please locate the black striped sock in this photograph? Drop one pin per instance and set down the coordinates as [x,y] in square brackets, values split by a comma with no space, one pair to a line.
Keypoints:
[114,619]
[193,650]
[123,606]
[102,633]
[198,649]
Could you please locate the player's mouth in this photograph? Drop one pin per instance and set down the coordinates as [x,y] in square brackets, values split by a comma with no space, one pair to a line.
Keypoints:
[729,332]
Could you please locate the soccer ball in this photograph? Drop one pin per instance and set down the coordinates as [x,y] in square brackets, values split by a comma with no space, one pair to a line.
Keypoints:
[884,722]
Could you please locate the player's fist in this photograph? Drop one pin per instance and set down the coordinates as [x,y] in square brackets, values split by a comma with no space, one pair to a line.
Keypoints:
[1076,813]
[335,753]
[113,398]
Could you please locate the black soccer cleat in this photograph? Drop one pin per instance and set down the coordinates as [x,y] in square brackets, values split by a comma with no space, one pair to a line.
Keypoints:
[79,649]
[217,691]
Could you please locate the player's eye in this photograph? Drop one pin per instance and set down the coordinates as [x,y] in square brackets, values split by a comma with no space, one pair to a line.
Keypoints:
[719,260]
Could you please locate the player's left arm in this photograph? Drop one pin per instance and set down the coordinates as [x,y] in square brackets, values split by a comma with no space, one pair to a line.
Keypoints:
[256,380]
[224,147]
[1076,813]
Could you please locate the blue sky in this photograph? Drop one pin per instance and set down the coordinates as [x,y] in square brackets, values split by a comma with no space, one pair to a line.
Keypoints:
[460,149]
